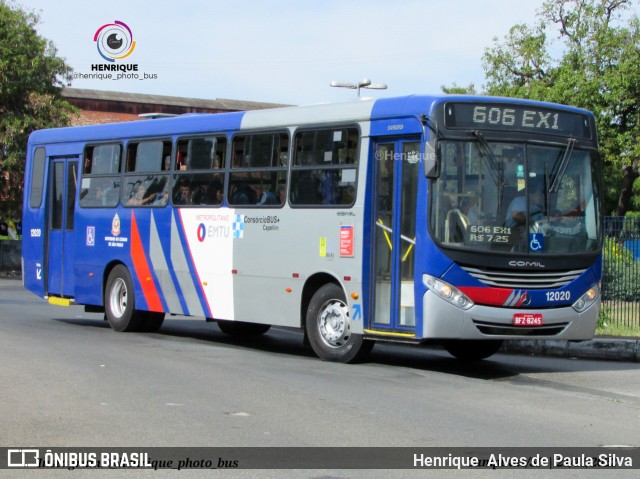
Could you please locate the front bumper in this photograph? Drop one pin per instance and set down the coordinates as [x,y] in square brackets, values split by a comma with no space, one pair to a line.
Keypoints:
[443,320]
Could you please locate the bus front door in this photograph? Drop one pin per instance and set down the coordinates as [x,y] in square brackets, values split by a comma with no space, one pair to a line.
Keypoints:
[63,182]
[395,198]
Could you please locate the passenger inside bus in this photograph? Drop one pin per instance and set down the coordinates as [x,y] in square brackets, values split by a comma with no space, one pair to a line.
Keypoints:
[138,196]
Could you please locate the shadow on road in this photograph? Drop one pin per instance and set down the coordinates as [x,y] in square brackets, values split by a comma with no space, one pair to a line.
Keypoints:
[290,342]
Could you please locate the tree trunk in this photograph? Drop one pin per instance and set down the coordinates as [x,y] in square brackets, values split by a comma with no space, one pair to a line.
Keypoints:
[629,174]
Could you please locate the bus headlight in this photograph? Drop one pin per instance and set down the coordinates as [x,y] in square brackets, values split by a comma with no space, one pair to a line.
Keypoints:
[587,299]
[447,292]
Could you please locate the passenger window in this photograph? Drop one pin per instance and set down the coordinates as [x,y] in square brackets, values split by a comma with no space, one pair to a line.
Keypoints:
[147,156]
[324,170]
[259,170]
[146,180]
[203,153]
[100,185]
[199,179]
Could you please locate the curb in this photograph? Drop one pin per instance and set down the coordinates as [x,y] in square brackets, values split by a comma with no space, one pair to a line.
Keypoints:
[598,348]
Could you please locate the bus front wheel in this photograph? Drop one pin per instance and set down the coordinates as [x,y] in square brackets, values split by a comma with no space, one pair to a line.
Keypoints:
[473,350]
[329,327]
[119,302]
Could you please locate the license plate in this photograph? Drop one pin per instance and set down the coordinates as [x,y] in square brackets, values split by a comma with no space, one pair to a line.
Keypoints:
[527,319]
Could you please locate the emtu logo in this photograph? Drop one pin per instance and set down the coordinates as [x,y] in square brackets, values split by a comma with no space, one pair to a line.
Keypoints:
[114,41]
[202,232]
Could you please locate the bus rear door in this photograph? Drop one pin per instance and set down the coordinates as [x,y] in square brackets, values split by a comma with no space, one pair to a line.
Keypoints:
[395,199]
[63,183]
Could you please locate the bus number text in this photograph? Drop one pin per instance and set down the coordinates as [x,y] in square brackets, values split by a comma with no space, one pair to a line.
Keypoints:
[508,117]
[558,296]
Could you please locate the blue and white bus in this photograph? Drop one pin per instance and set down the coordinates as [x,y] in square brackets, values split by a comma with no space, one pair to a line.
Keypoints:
[458,220]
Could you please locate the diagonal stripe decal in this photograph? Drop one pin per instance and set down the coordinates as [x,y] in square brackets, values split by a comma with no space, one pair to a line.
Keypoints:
[183,275]
[159,263]
[145,278]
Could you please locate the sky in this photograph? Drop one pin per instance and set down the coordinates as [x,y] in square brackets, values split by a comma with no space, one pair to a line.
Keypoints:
[284,51]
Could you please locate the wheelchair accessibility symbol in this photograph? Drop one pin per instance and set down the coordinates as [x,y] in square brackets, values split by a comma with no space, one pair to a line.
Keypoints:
[536,241]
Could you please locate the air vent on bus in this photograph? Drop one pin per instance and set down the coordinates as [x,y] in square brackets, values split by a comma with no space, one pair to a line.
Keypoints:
[522,279]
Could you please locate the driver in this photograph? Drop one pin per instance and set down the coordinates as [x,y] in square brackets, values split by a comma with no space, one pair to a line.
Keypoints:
[516,212]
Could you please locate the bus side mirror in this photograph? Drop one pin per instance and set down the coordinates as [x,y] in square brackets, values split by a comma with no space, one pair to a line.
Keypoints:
[431,160]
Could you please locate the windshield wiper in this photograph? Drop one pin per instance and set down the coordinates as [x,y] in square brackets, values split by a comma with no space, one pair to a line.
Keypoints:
[495,168]
[555,185]
[487,154]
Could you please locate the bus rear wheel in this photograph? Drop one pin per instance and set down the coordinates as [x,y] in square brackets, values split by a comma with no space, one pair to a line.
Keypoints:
[119,301]
[472,350]
[329,327]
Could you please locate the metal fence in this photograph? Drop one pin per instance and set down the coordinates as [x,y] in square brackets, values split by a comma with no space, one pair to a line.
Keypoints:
[621,272]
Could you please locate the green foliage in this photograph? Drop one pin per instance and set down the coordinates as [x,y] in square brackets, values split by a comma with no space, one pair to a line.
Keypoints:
[31,79]
[459,90]
[598,69]
[620,273]
[604,317]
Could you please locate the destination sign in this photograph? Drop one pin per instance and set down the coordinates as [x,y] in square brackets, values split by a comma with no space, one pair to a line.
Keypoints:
[522,118]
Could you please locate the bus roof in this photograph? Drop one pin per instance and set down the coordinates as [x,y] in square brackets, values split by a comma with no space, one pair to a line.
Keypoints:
[199,123]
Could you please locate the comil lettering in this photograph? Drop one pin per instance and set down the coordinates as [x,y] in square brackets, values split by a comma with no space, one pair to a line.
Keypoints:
[527,264]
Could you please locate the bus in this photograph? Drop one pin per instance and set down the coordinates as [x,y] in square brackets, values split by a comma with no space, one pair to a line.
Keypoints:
[392,219]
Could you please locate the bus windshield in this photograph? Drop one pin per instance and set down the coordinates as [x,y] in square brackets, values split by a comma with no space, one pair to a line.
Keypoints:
[515,197]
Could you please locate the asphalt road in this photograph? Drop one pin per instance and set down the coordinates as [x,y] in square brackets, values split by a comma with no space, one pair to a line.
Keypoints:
[68,380]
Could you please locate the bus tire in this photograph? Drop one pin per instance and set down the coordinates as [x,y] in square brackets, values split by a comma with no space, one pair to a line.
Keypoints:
[473,350]
[242,329]
[328,327]
[119,301]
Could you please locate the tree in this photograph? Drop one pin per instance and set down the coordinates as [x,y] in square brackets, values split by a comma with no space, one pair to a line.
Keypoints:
[459,90]
[598,69]
[31,79]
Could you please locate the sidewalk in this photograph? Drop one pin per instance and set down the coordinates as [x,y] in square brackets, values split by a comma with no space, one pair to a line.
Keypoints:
[607,348]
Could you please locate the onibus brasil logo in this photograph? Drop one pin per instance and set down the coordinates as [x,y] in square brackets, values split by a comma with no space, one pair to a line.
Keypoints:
[114,41]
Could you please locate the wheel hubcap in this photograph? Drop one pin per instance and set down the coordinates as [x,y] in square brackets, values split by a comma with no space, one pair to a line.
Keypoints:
[118,297]
[333,323]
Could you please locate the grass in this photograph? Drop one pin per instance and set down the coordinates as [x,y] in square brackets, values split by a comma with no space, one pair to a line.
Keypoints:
[619,318]
[612,329]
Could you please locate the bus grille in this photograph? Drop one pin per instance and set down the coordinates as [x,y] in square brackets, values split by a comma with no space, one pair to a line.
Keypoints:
[524,280]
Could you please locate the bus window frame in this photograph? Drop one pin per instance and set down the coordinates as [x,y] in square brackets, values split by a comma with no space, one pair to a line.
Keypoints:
[100,176]
[355,166]
[145,177]
[277,170]
[178,173]
[36,192]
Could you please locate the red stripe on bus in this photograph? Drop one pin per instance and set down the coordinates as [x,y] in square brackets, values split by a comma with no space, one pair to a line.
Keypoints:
[487,296]
[143,272]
